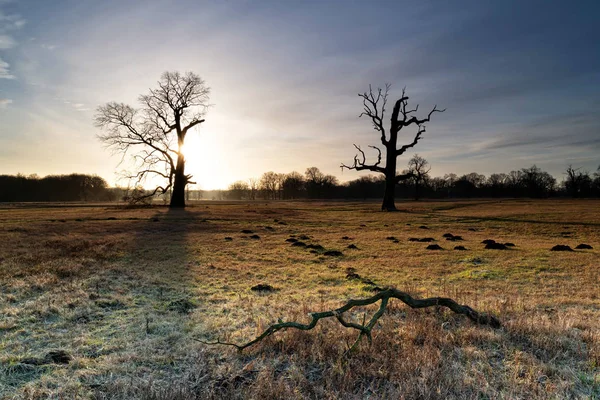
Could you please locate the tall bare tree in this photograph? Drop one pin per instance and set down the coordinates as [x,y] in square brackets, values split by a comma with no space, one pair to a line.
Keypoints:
[154,135]
[402,117]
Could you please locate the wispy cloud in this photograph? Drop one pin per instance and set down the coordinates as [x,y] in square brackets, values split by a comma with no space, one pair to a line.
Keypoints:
[5,70]
[561,130]
[5,102]
[8,24]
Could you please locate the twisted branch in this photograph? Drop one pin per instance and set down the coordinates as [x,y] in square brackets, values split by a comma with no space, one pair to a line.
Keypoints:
[360,165]
[365,329]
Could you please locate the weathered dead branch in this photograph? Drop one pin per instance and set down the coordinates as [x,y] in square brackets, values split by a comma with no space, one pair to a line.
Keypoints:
[365,328]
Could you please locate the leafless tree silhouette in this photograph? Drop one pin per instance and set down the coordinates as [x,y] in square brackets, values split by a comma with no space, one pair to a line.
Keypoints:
[419,168]
[154,135]
[402,116]
[578,182]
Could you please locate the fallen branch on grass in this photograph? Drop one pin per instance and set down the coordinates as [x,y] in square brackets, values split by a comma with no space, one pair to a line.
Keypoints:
[365,329]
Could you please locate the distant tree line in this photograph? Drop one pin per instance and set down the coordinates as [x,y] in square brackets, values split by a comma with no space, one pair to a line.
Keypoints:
[73,187]
[314,184]
[527,182]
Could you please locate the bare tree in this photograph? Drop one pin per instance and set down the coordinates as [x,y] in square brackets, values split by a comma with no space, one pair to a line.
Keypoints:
[537,183]
[319,185]
[253,185]
[292,185]
[269,183]
[578,183]
[419,168]
[154,135]
[279,180]
[238,190]
[374,107]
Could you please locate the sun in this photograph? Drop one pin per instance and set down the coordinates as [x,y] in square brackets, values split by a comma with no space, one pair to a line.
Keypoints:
[203,161]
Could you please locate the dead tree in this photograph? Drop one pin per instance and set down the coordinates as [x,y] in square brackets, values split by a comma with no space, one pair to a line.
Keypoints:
[154,135]
[366,328]
[402,117]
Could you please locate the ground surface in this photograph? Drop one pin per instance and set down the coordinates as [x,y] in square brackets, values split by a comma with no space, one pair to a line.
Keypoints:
[124,291]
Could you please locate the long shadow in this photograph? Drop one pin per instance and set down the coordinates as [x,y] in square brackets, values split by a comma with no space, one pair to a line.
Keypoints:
[160,252]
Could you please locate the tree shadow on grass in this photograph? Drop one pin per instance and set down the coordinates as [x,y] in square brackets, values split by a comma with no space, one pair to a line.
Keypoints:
[155,282]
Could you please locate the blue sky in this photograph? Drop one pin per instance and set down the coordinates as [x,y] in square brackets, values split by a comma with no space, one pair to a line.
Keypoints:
[519,80]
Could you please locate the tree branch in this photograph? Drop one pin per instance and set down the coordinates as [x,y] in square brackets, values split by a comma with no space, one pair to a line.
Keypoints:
[365,329]
[371,108]
[360,165]
[416,139]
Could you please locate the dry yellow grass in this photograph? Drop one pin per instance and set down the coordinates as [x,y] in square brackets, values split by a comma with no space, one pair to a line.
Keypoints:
[123,291]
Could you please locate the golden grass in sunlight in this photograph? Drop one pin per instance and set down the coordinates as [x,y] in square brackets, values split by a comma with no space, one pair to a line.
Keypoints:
[123,291]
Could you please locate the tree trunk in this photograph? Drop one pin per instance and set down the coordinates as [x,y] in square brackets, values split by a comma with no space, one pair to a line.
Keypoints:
[417,187]
[178,196]
[390,176]
[389,194]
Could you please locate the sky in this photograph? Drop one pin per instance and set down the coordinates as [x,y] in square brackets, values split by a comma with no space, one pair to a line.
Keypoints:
[519,79]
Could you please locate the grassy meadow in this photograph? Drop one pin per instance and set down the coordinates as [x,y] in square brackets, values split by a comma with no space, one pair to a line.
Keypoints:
[124,292]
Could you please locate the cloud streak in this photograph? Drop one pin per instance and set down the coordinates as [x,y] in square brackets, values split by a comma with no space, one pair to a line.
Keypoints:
[5,70]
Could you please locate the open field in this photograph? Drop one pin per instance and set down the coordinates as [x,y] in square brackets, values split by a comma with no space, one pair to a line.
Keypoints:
[124,291]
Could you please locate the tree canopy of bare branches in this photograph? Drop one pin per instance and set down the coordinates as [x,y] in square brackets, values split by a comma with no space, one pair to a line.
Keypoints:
[374,107]
[419,168]
[154,134]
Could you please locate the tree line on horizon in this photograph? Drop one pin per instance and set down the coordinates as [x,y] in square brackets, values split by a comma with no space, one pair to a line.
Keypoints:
[529,182]
[71,187]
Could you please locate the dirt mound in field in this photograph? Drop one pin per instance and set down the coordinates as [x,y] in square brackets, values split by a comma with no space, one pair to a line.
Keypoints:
[434,247]
[460,248]
[495,246]
[584,246]
[454,238]
[561,247]
[263,287]
[52,357]
[422,240]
